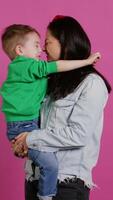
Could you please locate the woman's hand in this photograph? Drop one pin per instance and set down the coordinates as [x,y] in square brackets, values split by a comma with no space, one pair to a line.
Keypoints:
[21,139]
[19,145]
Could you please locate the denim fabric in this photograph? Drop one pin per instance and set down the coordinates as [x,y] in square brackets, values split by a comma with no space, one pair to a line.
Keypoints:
[73,126]
[48,165]
[15,128]
[46,161]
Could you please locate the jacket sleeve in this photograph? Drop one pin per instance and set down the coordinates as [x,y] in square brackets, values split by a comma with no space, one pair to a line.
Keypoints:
[81,124]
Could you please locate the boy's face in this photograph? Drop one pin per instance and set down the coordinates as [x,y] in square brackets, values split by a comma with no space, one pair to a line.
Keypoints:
[31,47]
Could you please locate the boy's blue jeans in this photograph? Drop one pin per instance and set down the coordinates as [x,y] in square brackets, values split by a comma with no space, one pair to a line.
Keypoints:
[46,161]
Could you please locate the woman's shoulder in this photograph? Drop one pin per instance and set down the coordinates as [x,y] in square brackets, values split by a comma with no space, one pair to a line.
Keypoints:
[94,88]
[92,85]
[94,76]
[94,80]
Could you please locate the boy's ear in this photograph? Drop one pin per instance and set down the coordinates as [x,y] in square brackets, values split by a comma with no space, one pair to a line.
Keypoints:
[19,50]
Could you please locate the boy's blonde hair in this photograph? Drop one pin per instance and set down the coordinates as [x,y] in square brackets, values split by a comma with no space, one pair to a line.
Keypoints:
[14,35]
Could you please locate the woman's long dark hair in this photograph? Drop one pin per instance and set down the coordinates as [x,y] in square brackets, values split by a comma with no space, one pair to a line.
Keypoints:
[75,45]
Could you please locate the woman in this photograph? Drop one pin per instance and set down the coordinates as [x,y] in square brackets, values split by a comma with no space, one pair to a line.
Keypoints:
[71,116]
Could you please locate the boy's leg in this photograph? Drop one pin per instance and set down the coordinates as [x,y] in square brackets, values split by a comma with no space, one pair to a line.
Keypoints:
[15,128]
[31,191]
[48,165]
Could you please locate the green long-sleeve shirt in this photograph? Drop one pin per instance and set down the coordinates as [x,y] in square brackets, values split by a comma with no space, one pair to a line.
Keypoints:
[25,88]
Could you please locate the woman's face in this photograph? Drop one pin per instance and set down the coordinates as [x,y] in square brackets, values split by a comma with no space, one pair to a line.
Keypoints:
[52,47]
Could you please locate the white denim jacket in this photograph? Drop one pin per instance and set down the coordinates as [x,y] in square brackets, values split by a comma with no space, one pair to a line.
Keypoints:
[72,127]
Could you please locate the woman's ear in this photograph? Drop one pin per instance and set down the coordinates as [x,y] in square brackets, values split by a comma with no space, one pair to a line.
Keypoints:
[19,50]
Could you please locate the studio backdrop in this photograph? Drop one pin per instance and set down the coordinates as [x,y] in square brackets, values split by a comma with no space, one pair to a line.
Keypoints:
[96,17]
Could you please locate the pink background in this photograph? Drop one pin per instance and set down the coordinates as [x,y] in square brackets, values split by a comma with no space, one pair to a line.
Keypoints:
[96,17]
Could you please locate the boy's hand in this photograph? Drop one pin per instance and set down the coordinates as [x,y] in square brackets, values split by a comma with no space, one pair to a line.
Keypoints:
[93,58]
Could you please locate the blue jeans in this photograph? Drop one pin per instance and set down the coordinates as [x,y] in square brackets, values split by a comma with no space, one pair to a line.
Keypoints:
[46,161]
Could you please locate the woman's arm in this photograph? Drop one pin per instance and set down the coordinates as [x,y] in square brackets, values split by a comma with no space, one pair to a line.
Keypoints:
[81,124]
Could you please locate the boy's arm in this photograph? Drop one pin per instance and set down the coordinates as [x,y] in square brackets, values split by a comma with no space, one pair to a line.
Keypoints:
[64,65]
[42,68]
